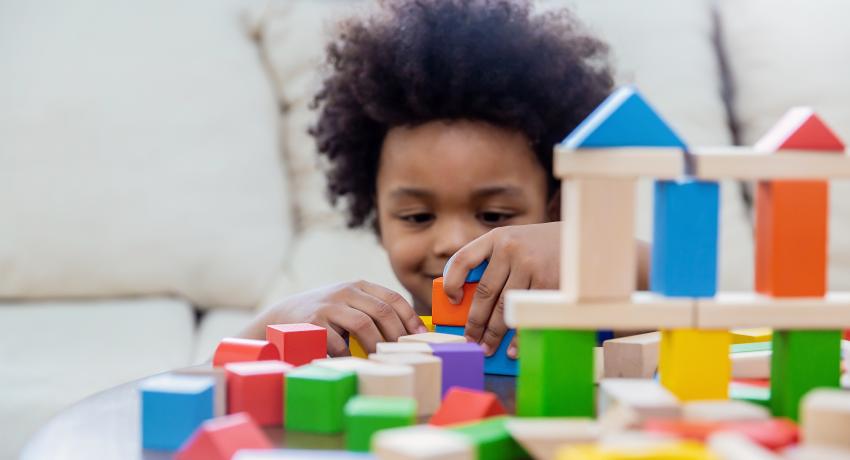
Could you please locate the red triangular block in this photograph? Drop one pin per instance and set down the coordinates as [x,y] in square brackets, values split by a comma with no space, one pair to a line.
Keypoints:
[220,438]
[464,405]
[800,129]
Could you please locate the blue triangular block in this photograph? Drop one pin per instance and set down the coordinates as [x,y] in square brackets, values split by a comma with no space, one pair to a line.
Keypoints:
[623,119]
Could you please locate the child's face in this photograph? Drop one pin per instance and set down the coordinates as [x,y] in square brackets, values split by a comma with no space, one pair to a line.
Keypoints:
[442,184]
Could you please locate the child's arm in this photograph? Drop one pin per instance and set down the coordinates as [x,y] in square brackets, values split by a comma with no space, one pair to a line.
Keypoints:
[365,310]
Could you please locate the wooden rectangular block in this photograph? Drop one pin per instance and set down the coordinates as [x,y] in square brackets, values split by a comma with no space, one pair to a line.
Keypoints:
[730,310]
[432,337]
[298,343]
[633,356]
[826,417]
[543,437]
[422,442]
[694,364]
[445,313]
[747,163]
[642,398]
[598,251]
[619,162]
[723,411]
[751,364]
[427,377]
[375,378]
[463,365]
[403,347]
[802,360]
[257,389]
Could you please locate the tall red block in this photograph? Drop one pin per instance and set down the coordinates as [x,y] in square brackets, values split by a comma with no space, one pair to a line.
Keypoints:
[220,439]
[298,343]
[464,405]
[257,388]
[234,350]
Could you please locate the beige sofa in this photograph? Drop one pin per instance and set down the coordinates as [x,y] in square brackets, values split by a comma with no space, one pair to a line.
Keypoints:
[154,164]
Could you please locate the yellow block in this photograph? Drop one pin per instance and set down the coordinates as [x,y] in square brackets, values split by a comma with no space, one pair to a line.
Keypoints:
[356,349]
[694,364]
[674,450]
[756,334]
[429,323]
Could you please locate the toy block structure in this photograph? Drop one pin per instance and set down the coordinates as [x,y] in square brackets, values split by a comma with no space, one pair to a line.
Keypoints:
[491,439]
[256,388]
[366,415]
[641,398]
[543,437]
[432,338]
[427,377]
[463,365]
[422,442]
[496,364]
[375,378]
[173,407]
[634,356]
[298,343]
[462,405]
[826,418]
[219,393]
[220,438]
[232,350]
[315,398]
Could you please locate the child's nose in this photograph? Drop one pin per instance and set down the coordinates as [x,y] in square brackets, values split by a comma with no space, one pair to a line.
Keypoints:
[452,235]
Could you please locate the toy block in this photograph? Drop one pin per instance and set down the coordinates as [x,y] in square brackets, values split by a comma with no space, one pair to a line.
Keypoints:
[257,389]
[730,310]
[476,273]
[735,446]
[445,313]
[300,454]
[619,162]
[542,437]
[463,365]
[598,252]
[751,365]
[748,163]
[751,347]
[366,415]
[428,321]
[544,309]
[637,449]
[173,407]
[315,398]
[723,411]
[298,343]
[802,361]
[751,335]
[602,335]
[759,395]
[384,348]
[355,349]
[496,364]
[462,405]
[773,434]
[220,391]
[233,350]
[491,439]
[641,397]
[684,249]
[220,438]
[432,337]
[598,364]
[375,378]
[555,373]
[634,356]
[427,377]
[815,452]
[826,417]
[694,364]
[421,442]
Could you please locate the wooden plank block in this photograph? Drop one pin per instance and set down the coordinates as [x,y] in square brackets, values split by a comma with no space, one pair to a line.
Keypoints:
[802,360]
[256,388]
[234,349]
[445,313]
[826,418]
[375,378]
[723,411]
[422,442]
[730,310]
[403,347]
[546,385]
[542,309]
[747,163]
[619,162]
[298,343]
[172,407]
[634,356]
[543,437]
[694,364]
[642,398]
[222,437]
[751,364]
[462,405]
[432,337]
[366,415]
[427,377]
[735,446]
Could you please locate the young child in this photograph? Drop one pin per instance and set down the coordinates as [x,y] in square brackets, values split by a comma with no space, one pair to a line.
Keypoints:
[438,121]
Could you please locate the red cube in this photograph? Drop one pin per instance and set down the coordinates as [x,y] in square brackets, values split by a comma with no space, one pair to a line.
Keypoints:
[220,438]
[234,350]
[256,388]
[298,343]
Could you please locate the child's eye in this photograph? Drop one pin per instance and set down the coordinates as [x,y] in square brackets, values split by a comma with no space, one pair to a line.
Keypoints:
[494,218]
[418,218]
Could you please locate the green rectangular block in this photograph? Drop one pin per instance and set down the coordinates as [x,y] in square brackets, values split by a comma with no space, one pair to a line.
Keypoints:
[315,398]
[491,439]
[800,362]
[556,373]
[366,415]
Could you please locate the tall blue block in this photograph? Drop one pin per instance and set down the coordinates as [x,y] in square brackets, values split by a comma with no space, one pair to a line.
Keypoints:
[498,363]
[475,274]
[684,246]
[173,407]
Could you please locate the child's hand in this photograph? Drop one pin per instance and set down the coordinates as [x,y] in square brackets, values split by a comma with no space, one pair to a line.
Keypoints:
[521,257]
[365,310]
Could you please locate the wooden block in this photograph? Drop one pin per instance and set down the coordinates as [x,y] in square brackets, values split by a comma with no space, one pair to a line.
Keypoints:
[730,310]
[633,356]
[432,337]
[462,405]
[445,313]
[496,364]
[463,365]
[640,449]
[644,398]
[256,388]
[232,350]
[298,343]
[542,437]
[220,378]
[826,418]
[173,406]
[355,348]
[428,321]
[723,411]
[598,364]
[222,437]
[751,335]
[773,434]
[802,361]
[476,273]
[815,452]
[694,364]
[620,162]
[747,163]
[491,439]
[384,348]
[422,442]
[750,347]
[366,415]
[548,385]
[427,377]
[735,446]
[541,309]
[315,398]
[751,365]
[685,229]
[375,378]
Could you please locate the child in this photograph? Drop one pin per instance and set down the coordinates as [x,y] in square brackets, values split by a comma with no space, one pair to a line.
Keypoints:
[438,121]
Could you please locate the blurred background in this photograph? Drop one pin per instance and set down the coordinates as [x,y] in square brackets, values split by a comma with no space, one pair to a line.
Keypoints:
[157,184]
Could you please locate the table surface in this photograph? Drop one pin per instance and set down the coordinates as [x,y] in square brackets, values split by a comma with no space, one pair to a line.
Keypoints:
[106,426]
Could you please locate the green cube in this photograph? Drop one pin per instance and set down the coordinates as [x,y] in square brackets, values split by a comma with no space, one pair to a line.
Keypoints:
[315,398]
[802,361]
[366,415]
[491,439]
[556,373]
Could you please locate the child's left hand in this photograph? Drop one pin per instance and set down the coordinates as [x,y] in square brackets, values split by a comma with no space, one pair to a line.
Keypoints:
[521,257]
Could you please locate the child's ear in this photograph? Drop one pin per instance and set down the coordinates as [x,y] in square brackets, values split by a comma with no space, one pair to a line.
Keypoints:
[553,207]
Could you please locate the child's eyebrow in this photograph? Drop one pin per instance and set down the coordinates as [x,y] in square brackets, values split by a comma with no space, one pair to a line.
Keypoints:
[409,191]
[485,192]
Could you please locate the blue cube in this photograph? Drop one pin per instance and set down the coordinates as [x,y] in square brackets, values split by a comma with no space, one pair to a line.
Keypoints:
[496,364]
[173,407]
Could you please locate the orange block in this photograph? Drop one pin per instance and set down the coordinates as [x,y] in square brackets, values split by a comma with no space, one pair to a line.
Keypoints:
[234,350]
[463,405]
[220,439]
[445,313]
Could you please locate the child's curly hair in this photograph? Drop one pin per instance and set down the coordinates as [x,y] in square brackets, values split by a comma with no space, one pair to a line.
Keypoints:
[423,60]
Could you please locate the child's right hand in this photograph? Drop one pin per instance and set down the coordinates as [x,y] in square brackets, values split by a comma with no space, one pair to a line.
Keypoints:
[369,312]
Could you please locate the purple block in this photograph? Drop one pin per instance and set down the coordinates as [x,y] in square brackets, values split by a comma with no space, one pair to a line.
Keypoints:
[463,365]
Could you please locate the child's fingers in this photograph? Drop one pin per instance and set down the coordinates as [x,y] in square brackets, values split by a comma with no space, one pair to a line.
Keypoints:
[496,328]
[382,313]
[409,318]
[486,294]
[336,344]
[358,324]
[513,347]
[459,265]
